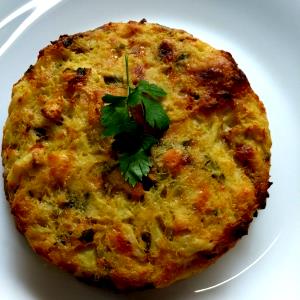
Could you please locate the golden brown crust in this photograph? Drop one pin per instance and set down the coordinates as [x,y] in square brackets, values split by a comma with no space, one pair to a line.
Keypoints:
[210,170]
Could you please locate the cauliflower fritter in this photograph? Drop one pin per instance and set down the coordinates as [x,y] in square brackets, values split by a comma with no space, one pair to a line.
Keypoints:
[210,170]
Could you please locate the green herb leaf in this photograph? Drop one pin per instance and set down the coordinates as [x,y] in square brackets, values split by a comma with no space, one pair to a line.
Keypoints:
[155,114]
[151,89]
[118,100]
[134,166]
[147,94]
[131,143]
[148,141]
[115,120]
[145,90]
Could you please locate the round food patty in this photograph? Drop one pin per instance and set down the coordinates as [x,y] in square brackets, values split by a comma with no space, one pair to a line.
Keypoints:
[210,169]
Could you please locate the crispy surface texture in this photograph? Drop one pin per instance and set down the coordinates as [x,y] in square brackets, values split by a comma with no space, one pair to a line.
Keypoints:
[210,170]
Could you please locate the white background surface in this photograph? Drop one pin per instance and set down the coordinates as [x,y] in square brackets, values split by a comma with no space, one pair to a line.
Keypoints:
[264,38]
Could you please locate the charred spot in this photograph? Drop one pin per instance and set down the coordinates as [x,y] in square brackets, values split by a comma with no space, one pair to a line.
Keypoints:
[143,21]
[81,72]
[220,177]
[13,146]
[56,50]
[67,41]
[30,193]
[6,188]
[190,93]
[270,184]
[78,50]
[188,38]
[239,78]
[187,143]
[167,71]
[262,194]
[239,81]
[262,198]
[135,196]
[109,79]
[218,85]
[129,220]
[195,96]
[64,238]
[211,75]
[211,104]
[78,80]
[59,122]
[28,127]
[181,57]
[223,84]
[65,205]
[167,231]
[63,242]
[206,255]
[164,192]
[215,212]
[20,100]
[41,132]
[147,183]
[229,57]
[146,238]
[256,133]
[268,157]
[240,230]
[255,214]
[120,49]
[87,236]
[87,195]
[41,53]
[166,52]
[244,154]
[181,231]
[63,38]
[224,95]
[29,70]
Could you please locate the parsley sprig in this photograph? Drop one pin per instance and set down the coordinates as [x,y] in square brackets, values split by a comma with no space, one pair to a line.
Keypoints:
[136,122]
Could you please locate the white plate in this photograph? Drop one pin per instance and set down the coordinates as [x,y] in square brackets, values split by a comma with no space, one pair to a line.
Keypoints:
[264,38]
